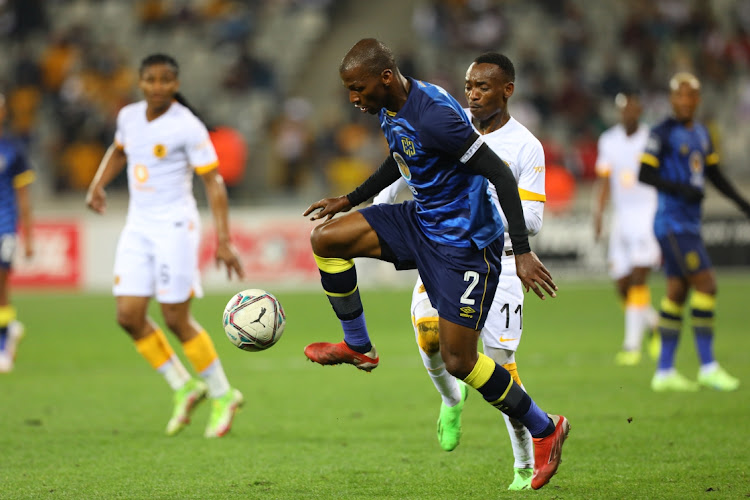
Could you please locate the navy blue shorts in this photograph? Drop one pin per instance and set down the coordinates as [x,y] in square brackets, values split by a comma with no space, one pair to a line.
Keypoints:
[7,249]
[460,282]
[684,254]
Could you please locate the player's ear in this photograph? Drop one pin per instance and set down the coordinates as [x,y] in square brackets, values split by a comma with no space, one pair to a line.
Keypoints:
[509,88]
[386,77]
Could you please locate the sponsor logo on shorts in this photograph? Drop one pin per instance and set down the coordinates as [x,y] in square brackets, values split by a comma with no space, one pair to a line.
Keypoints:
[503,339]
[467,312]
[692,260]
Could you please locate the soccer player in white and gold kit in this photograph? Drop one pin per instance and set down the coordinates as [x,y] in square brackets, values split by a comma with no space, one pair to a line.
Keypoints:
[633,249]
[489,84]
[162,143]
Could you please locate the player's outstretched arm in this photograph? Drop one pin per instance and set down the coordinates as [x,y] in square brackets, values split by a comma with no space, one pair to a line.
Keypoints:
[529,268]
[112,163]
[216,193]
[383,177]
[600,204]
[649,175]
[717,178]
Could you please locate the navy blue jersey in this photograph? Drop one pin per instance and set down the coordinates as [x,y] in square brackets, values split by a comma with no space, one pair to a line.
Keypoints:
[14,172]
[679,155]
[426,138]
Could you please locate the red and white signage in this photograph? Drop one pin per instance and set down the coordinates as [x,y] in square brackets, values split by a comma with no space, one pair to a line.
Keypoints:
[57,259]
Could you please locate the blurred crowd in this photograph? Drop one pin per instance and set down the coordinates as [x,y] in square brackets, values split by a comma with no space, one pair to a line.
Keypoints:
[64,83]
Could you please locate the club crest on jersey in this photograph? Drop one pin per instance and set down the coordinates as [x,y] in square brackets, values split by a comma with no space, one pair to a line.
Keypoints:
[684,149]
[402,166]
[160,151]
[408,146]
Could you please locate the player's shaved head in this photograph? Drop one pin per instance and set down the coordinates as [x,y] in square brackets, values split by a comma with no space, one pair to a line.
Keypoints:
[686,78]
[370,55]
[500,61]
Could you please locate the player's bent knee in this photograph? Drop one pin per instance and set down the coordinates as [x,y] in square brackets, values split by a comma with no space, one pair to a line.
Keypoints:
[130,320]
[428,337]
[457,366]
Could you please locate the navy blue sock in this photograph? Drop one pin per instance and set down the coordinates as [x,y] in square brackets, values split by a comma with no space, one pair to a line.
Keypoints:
[355,333]
[704,344]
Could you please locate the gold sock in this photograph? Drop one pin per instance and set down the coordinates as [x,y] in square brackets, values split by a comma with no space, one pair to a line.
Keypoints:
[200,351]
[155,348]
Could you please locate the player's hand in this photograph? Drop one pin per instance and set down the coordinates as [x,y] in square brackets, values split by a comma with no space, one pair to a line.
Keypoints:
[328,207]
[691,193]
[96,199]
[227,254]
[533,275]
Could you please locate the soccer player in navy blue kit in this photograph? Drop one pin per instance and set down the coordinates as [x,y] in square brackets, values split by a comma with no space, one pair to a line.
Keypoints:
[450,231]
[679,157]
[15,205]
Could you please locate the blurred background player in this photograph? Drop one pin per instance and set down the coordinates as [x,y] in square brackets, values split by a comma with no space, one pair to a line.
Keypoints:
[15,206]
[451,232]
[488,86]
[163,142]
[679,157]
[633,249]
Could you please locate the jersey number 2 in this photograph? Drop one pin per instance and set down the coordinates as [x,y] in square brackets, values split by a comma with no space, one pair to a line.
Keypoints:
[473,278]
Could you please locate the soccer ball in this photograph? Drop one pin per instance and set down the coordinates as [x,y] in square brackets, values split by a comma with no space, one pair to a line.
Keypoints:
[254,320]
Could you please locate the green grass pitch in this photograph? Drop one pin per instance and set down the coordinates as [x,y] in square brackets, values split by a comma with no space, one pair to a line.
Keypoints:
[82,416]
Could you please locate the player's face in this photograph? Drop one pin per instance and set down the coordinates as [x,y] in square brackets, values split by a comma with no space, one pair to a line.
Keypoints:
[631,111]
[366,91]
[159,84]
[486,90]
[684,102]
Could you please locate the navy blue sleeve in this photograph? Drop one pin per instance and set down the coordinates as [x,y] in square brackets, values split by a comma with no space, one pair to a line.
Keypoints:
[443,129]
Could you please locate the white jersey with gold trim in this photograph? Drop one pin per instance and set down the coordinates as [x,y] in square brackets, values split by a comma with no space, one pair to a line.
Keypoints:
[162,155]
[523,153]
[631,240]
[619,159]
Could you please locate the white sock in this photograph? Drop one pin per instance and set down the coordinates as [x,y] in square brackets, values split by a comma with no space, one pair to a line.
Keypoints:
[445,383]
[174,372]
[665,373]
[520,437]
[635,325]
[709,367]
[214,375]
[652,317]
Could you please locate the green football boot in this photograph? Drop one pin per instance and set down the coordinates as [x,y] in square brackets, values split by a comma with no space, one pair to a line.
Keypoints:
[521,479]
[719,380]
[449,421]
[185,400]
[222,413]
[673,382]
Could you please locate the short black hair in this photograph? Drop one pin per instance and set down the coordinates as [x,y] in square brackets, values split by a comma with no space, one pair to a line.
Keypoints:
[370,54]
[155,59]
[499,60]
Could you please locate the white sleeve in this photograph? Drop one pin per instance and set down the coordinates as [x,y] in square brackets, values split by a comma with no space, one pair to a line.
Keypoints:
[533,212]
[199,148]
[389,194]
[119,134]
[531,187]
[603,163]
